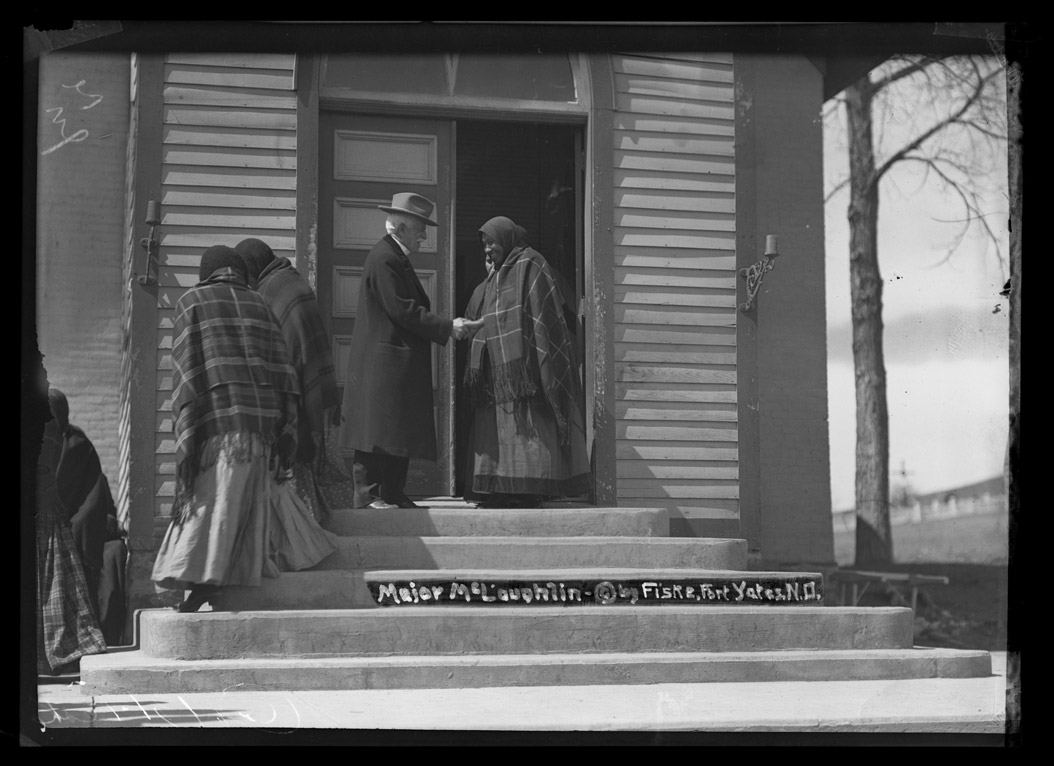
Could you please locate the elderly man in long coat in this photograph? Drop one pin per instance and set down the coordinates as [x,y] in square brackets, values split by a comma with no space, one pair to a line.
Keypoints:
[388,411]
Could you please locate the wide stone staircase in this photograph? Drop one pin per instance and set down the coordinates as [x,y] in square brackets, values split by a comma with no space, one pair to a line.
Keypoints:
[452,596]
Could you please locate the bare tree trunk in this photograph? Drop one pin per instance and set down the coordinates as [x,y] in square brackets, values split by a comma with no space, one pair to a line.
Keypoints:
[874,542]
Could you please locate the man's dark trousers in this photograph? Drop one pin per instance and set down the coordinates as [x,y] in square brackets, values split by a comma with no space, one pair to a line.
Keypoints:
[379,475]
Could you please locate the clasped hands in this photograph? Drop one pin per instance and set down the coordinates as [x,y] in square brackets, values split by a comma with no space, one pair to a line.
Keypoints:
[465,328]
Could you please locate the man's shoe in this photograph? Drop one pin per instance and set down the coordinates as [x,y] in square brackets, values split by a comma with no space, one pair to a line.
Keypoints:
[380,505]
[405,502]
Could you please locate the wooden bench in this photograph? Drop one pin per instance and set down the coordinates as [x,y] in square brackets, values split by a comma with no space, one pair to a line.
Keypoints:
[859,581]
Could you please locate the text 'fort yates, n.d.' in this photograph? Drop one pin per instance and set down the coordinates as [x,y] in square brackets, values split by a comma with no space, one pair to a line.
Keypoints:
[728,591]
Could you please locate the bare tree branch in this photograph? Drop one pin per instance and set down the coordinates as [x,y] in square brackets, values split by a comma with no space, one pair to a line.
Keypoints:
[973,125]
[912,67]
[970,201]
[835,189]
[921,139]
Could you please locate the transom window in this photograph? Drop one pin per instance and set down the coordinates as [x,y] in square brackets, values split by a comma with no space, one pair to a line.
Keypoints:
[523,77]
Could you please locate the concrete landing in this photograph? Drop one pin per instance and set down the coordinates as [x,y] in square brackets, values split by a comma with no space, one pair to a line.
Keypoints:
[545,630]
[362,589]
[130,673]
[812,711]
[527,552]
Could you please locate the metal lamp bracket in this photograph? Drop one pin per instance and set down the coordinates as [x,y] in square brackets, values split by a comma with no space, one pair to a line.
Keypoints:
[755,273]
[150,245]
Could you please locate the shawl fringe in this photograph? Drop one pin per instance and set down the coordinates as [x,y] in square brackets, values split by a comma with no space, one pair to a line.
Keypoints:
[236,446]
[500,384]
[557,404]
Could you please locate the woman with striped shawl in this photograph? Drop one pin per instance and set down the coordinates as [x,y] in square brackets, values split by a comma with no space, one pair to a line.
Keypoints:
[320,477]
[527,440]
[235,396]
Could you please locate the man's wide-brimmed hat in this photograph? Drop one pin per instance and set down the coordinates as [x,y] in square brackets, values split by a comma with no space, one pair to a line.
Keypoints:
[413,204]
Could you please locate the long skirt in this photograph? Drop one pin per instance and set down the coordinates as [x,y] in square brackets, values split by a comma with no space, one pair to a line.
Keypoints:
[224,537]
[113,591]
[324,484]
[516,450]
[67,627]
[297,540]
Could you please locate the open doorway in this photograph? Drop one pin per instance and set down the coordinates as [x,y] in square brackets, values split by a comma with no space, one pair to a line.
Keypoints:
[530,173]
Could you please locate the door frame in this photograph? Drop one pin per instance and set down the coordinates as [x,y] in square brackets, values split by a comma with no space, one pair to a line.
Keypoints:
[593,113]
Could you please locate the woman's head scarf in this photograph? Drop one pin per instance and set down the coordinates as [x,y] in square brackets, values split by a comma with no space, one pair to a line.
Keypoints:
[257,254]
[218,257]
[506,233]
[60,408]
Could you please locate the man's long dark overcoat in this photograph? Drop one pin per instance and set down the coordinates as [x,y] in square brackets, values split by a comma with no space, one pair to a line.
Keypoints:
[388,405]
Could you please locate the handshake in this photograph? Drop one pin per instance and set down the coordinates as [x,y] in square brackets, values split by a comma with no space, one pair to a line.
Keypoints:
[465,328]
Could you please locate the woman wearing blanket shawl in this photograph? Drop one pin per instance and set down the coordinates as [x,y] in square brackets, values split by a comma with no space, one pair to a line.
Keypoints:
[319,476]
[527,440]
[234,401]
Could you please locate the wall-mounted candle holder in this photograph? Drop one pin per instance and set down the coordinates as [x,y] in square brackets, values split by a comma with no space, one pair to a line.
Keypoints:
[755,273]
[150,245]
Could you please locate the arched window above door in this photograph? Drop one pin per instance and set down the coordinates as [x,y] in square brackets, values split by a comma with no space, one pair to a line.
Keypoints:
[517,77]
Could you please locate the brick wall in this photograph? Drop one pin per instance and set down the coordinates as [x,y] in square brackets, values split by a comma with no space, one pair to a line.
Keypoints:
[80,213]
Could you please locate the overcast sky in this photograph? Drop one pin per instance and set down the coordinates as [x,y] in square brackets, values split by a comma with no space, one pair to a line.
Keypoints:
[946,346]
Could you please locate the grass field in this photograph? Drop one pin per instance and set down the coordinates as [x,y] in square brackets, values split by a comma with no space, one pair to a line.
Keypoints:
[971,551]
[980,539]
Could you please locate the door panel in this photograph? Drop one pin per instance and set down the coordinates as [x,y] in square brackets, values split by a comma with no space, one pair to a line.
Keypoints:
[363,161]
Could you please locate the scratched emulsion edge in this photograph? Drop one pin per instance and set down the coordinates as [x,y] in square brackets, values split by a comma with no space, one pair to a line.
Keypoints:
[38,41]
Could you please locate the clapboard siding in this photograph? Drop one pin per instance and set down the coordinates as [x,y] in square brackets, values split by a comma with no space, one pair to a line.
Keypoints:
[674,307]
[719,71]
[219,117]
[672,277]
[650,178]
[214,178]
[228,171]
[628,199]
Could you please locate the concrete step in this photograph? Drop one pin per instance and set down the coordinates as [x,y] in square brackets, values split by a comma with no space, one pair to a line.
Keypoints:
[457,519]
[134,672]
[475,630]
[522,588]
[519,552]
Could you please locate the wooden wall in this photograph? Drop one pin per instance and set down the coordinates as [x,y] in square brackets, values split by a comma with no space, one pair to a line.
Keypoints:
[228,171]
[675,286]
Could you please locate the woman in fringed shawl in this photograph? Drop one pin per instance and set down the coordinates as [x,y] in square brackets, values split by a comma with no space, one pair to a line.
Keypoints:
[84,491]
[67,628]
[234,400]
[319,475]
[528,434]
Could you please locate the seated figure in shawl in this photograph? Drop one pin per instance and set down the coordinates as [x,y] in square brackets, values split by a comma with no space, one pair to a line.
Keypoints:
[234,402]
[319,475]
[527,441]
[66,624]
[84,491]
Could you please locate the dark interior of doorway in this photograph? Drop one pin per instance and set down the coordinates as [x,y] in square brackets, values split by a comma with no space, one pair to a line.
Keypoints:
[525,172]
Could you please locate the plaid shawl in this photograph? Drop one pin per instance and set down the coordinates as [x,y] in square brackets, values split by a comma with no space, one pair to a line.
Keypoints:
[293,301]
[231,373]
[525,348]
[66,626]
